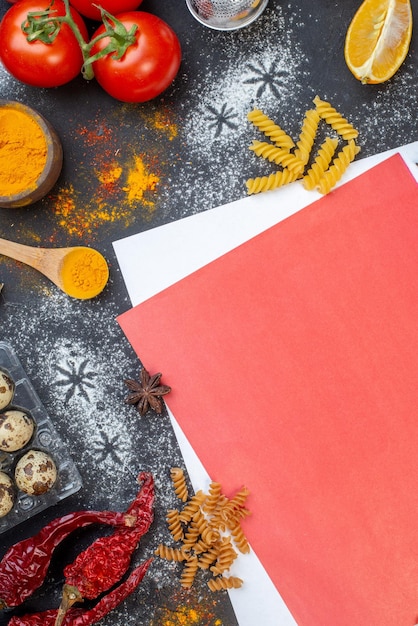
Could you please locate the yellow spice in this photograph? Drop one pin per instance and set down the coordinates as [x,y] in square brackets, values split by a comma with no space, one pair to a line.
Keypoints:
[23,152]
[84,273]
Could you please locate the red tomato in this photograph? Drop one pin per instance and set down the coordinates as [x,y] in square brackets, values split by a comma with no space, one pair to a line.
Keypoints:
[87,8]
[148,66]
[36,63]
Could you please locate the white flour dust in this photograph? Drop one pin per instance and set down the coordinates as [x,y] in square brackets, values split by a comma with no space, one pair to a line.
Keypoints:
[78,365]
[215,130]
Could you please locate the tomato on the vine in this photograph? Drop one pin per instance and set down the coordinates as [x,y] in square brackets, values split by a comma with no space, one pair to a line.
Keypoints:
[37,63]
[147,67]
[89,9]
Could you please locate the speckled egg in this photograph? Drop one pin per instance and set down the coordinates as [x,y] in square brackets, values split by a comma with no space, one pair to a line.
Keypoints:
[35,473]
[16,430]
[7,494]
[7,389]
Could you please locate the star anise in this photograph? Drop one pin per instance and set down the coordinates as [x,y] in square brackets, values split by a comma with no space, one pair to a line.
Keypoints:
[147,392]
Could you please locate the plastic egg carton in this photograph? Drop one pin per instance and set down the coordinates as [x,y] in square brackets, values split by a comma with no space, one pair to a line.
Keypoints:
[45,438]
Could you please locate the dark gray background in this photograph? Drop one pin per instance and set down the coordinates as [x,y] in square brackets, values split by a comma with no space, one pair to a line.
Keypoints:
[74,351]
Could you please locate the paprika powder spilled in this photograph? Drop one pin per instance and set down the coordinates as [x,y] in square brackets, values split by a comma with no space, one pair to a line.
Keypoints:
[78,617]
[23,151]
[24,566]
[84,273]
[106,560]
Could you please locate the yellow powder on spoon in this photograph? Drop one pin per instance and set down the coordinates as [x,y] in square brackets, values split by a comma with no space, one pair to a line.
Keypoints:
[23,152]
[84,273]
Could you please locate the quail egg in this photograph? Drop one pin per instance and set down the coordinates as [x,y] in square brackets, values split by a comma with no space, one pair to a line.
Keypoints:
[16,430]
[6,390]
[7,494]
[35,473]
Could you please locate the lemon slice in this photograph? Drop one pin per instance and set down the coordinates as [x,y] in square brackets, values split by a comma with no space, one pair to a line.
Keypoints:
[378,39]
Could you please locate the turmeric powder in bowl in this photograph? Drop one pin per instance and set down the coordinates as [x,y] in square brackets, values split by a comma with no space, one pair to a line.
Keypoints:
[30,155]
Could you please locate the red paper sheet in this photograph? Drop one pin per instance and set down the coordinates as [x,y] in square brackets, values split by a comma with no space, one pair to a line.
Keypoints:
[293,361]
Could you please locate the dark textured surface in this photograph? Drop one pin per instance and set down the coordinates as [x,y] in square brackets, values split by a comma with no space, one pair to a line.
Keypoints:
[192,143]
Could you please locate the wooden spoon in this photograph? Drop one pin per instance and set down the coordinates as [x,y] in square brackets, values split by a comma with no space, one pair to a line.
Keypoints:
[51,261]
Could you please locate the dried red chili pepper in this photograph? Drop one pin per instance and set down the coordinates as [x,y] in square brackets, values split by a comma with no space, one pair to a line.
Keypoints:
[78,617]
[24,566]
[105,561]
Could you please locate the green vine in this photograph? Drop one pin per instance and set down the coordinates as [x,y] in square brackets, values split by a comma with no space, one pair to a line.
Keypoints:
[45,26]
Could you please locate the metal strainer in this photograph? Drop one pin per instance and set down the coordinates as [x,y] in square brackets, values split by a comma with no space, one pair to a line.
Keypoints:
[226,14]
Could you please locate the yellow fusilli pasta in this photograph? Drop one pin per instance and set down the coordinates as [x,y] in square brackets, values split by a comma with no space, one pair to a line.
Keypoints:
[279,156]
[335,119]
[222,582]
[270,129]
[320,165]
[179,482]
[273,181]
[307,136]
[294,159]
[338,167]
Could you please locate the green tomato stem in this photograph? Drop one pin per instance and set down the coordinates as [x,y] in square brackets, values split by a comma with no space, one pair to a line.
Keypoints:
[44,26]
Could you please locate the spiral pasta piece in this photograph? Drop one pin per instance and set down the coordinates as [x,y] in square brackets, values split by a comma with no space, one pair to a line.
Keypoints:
[208,557]
[270,129]
[179,482]
[207,541]
[279,156]
[174,525]
[222,582]
[240,539]
[338,167]
[320,165]
[192,506]
[170,554]
[226,557]
[212,499]
[307,136]
[273,181]
[189,572]
[191,536]
[209,535]
[335,119]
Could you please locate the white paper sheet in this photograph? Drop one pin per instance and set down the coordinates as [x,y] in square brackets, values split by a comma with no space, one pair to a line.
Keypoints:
[171,252]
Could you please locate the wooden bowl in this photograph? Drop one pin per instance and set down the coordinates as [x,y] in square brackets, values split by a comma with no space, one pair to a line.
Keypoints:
[53,163]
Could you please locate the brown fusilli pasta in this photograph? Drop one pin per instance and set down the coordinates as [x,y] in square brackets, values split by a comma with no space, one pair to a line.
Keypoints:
[189,572]
[240,539]
[170,554]
[222,582]
[179,482]
[201,528]
[174,525]
[192,507]
[212,499]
